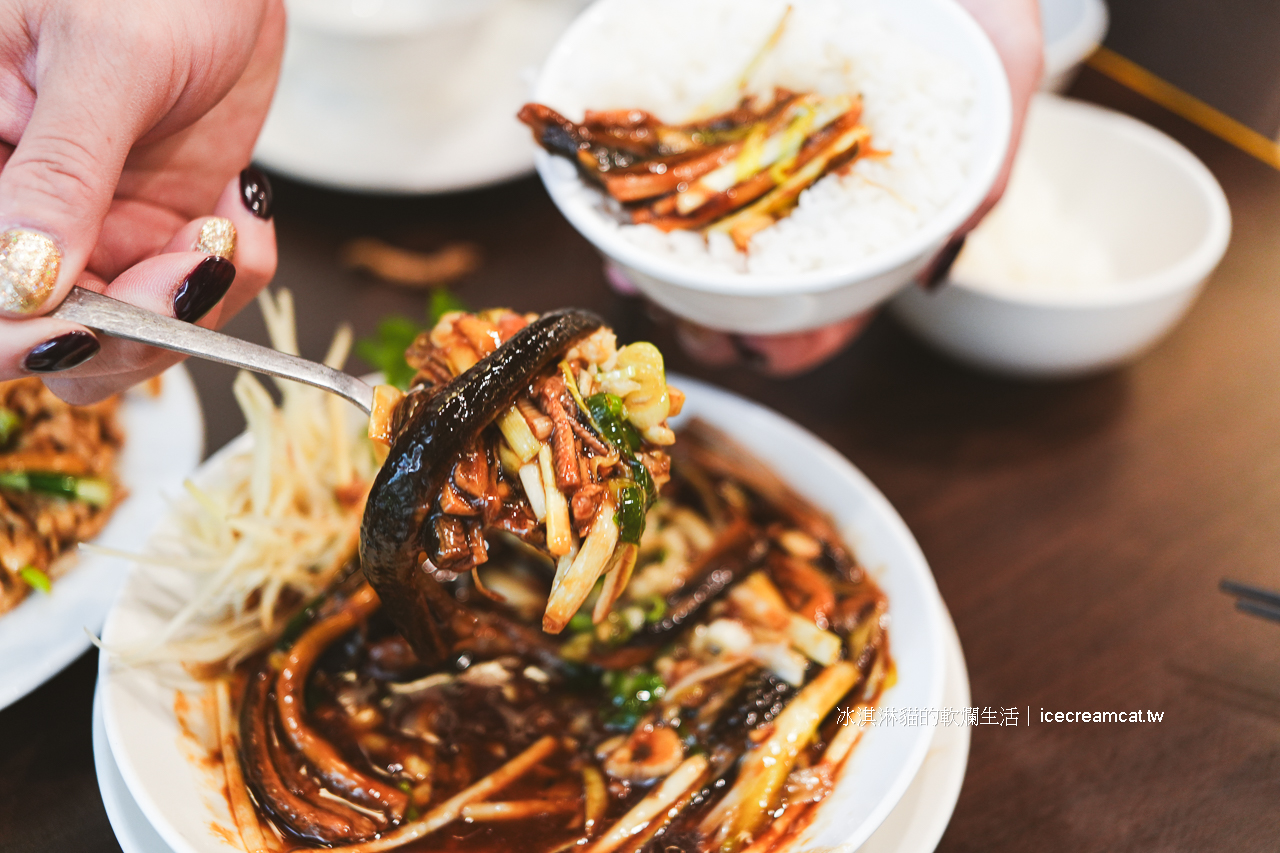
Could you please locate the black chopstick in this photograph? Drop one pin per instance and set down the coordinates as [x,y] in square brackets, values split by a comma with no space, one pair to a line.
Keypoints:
[1253,608]
[1254,593]
[1253,600]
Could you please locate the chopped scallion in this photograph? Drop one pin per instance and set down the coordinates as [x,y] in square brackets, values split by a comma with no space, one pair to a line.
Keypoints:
[91,490]
[35,579]
[10,421]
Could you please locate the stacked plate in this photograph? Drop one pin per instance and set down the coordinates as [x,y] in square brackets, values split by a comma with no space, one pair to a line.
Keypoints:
[896,793]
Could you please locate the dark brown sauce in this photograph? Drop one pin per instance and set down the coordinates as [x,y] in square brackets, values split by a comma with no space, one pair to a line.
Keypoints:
[367,697]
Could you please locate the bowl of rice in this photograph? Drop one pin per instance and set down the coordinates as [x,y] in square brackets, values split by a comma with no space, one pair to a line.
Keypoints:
[934,98]
[1103,240]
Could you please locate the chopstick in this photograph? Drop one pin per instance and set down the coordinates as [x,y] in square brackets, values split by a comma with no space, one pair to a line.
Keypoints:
[1253,600]
[1256,609]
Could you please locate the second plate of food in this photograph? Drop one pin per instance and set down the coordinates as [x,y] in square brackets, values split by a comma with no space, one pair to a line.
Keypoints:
[172,769]
[159,435]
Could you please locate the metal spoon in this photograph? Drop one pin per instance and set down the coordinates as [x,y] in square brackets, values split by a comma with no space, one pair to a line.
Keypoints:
[122,320]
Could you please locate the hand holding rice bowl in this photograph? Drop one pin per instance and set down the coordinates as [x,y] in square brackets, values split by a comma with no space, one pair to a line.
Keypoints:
[935,99]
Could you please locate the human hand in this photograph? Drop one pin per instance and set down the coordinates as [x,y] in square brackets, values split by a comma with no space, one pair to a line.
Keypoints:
[122,126]
[1014,29]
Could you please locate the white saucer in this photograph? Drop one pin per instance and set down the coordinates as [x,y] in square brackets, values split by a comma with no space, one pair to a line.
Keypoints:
[392,137]
[914,826]
[133,831]
[164,439]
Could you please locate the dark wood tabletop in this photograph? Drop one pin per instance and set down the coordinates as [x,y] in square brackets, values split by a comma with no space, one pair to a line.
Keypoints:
[1077,529]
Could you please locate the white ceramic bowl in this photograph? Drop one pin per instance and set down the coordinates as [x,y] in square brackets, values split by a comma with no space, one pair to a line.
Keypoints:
[1072,29]
[770,304]
[1165,223]
[181,792]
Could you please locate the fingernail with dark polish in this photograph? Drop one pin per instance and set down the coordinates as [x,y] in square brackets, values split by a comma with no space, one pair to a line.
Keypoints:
[255,192]
[943,263]
[62,353]
[203,288]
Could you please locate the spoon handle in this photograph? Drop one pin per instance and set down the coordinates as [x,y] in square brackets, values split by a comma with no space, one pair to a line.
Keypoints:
[122,320]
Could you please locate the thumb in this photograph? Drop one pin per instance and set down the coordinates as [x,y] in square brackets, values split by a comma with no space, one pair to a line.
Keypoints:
[56,188]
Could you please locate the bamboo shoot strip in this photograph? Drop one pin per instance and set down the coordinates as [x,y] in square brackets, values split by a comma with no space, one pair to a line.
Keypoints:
[451,809]
[617,576]
[229,741]
[757,599]
[533,490]
[778,827]
[735,819]
[518,809]
[575,586]
[741,226]
[804,118]
[557,508]
[661,798]
[844,740]
[595,795]
[515,429]
[640,841]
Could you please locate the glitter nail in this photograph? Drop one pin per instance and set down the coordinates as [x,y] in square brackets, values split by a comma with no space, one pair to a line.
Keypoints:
[29,265]
[217,237]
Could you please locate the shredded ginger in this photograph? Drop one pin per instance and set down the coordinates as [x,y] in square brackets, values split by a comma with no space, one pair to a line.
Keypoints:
[273,530]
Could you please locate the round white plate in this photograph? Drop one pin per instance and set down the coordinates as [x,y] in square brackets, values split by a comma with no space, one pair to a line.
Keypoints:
[133,832]
[164,439]
[390,135]
[181,799]
[915,825]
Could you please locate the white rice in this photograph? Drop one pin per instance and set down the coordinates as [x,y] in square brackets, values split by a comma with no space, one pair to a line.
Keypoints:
[676,57]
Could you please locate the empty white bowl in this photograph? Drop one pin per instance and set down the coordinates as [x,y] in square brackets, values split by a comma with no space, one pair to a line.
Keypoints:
[1161,216]
[1072,29]
[776,303]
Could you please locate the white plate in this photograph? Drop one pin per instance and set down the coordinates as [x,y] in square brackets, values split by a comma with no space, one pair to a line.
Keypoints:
[164,439]
[915,825]
[134,833]
[181,798]
[432,127]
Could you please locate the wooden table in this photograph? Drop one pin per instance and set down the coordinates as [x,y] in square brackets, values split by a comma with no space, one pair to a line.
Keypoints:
[1077,529]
